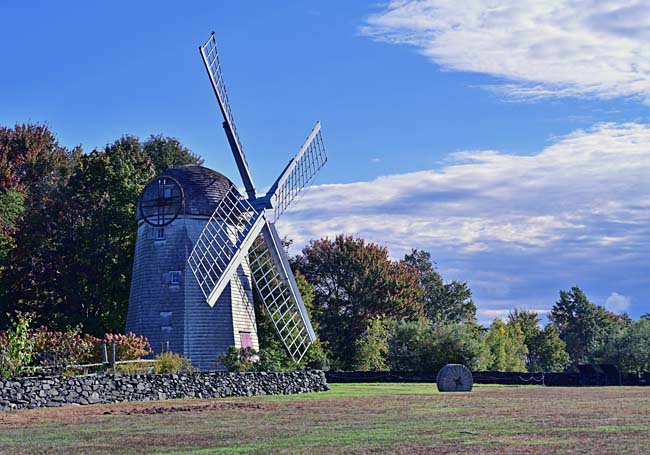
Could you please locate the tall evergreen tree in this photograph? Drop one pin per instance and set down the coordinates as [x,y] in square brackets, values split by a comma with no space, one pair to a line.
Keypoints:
[583,326]
[443,302]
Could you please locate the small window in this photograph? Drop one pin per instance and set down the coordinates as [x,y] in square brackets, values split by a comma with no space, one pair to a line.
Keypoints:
[160,234]
[175,278]
[167,192]
[166,329]
[246,340]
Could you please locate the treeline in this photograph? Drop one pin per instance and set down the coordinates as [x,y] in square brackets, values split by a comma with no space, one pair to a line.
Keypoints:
[67,225]
[378,314]
[67,238]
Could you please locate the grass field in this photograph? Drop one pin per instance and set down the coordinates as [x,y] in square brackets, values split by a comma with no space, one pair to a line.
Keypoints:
[351,418]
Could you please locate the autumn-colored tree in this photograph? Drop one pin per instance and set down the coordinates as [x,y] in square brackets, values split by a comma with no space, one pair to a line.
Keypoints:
[31,159]
[33,173]
[72,252]
[355,281]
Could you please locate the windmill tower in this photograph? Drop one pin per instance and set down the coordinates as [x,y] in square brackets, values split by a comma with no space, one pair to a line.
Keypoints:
[194,219]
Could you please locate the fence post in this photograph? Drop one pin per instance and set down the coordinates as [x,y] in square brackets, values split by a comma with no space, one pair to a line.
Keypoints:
[114,359]
[105,351]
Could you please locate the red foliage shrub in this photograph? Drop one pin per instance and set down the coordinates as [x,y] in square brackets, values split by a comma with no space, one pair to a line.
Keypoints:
[129,346]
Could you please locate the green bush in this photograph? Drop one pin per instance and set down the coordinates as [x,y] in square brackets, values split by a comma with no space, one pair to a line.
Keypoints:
[239,360]
[136,368]
[629,349]
[422,346]
[172,363]
[17,348]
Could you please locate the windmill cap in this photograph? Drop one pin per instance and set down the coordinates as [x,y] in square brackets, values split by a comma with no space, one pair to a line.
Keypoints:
[203,188]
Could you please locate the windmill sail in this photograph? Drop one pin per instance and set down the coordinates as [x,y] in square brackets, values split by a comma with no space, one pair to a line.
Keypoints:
[210,56]
[278,290]
[239,227]
[223,243]
[301,170]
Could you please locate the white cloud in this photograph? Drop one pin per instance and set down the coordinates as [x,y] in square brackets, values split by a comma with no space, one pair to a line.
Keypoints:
[518,228]
[617,303]
[544,48]
[590,187]
[492,314]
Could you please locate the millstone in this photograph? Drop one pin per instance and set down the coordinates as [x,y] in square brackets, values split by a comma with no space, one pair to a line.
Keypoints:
[454,378]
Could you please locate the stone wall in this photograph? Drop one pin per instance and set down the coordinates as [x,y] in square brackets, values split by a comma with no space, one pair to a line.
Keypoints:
[79,390]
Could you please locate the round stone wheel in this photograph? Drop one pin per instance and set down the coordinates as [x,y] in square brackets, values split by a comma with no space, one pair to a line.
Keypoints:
[454,378]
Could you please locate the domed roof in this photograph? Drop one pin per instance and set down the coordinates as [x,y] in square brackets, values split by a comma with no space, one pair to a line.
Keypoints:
[202,189]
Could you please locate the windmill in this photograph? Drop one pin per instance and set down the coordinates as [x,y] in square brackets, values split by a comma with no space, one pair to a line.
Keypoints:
[242,228]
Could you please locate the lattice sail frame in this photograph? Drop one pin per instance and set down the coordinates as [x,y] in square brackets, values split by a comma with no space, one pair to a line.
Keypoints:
[223,243]
[236,223]
[283,309]
[211,55]
[308,161]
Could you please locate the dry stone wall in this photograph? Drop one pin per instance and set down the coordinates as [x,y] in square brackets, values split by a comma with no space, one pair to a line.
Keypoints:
[80,390]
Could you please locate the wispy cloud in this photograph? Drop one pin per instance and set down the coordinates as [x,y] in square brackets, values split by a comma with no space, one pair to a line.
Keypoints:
[572,213]
[542,48]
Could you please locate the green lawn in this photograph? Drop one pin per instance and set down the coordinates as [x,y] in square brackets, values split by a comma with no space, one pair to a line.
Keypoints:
[351,418]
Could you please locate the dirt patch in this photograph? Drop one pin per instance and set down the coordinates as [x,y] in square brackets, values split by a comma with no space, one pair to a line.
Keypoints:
[217,406]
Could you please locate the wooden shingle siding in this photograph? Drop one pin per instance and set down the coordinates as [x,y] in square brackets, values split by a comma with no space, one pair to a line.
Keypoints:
[243,313]
[188,325]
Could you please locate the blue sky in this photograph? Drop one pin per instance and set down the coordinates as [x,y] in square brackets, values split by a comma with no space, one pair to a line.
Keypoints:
[510,139]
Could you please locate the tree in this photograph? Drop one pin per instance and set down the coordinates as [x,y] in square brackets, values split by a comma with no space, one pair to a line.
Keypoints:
[629,349]
[166,152]
[546,351]
[67,224]
[74,254]
[31,160]
[450,302]
[420,345]
[354,281]
[101,226]
[34,171]
[12,206]
[372,347]
[583,326]
[505,348]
